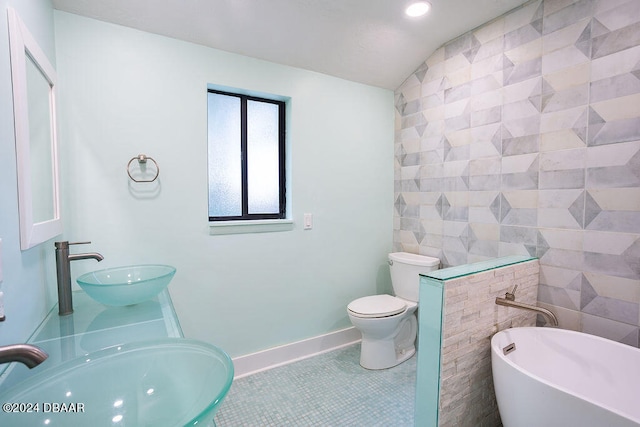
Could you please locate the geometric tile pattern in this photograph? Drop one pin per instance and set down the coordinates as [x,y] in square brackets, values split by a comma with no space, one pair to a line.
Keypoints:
[331,389]
[523,137]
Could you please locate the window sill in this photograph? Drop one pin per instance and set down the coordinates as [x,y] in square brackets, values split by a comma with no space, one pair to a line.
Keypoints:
[257,226]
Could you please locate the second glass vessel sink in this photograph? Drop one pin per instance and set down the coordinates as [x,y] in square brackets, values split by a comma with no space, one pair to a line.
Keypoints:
[166,382]
[126,285]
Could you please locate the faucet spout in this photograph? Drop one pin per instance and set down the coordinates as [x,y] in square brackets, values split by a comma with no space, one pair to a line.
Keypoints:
[550,318]
[63,270]
[90,255]
[29,355]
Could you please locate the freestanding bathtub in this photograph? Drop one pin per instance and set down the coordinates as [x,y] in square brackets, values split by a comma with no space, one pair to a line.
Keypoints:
[555,377]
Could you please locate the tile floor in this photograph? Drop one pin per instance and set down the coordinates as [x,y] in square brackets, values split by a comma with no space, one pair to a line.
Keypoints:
[331,389]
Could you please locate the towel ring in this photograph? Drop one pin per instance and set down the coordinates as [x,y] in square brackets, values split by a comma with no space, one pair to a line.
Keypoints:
[142,159]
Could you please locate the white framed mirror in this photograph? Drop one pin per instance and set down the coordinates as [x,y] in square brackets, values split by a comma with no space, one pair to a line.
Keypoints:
[34,79]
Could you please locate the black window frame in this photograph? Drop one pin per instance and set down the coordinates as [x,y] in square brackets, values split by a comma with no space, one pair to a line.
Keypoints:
[246,216]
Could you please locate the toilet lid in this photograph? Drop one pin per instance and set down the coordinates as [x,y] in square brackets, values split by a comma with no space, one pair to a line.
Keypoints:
[377,306]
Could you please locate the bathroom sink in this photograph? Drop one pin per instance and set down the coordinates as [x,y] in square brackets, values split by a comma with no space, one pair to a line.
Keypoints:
[126,285]
[166,382]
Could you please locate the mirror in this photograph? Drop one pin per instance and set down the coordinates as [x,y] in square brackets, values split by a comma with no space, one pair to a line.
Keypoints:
[33,79]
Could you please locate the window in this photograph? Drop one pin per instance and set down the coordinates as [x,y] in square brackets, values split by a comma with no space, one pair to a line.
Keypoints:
[246,142]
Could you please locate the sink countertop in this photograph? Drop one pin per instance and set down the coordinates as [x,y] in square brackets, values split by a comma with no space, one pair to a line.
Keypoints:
[93,326]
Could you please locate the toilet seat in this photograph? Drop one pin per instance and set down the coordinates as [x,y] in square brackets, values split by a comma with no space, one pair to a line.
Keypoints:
[377,306]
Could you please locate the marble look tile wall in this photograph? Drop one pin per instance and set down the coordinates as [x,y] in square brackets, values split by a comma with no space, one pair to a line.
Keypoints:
[523,137]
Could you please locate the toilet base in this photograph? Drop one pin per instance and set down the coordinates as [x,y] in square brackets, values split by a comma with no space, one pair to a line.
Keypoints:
[386,353]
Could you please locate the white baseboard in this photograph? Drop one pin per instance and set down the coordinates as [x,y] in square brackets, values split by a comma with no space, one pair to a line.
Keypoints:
[277,356]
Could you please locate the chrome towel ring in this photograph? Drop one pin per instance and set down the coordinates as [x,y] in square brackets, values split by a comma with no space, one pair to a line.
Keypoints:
[142,160]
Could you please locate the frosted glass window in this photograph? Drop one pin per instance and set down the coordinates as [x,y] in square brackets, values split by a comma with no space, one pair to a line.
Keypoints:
[263,180]
[246,157]
[225,156]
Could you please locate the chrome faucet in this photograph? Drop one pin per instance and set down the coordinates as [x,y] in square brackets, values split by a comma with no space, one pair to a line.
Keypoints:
[63,269]
[30,355]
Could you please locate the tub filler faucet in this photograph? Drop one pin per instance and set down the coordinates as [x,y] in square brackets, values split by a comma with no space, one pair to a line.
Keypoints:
[29,355]
[63,270]
[509,300]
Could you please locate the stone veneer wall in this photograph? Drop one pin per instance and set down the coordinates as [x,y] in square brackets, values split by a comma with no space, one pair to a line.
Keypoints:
[523,137]
[470,318]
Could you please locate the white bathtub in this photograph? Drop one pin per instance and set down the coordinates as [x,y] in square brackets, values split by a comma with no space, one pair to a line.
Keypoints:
[556,377]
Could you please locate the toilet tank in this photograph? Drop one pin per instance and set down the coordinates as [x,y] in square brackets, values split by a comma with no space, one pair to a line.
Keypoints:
[405,270]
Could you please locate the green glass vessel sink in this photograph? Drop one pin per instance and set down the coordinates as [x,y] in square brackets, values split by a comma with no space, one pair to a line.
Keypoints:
[126,285]
[167,382]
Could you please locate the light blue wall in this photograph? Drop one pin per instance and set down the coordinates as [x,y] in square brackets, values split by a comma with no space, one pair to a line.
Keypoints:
[29,276]
[125,92]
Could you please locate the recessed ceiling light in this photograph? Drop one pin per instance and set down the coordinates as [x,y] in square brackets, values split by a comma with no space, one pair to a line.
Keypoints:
[417,8]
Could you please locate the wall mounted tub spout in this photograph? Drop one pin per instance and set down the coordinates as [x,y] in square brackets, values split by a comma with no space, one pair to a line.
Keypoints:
[63,270]
[29,355]
[509,301]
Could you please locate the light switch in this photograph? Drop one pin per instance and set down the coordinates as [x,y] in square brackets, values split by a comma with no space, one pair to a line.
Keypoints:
[308,221]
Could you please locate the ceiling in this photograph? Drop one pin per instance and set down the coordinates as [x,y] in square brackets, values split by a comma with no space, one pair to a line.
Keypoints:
[367,41]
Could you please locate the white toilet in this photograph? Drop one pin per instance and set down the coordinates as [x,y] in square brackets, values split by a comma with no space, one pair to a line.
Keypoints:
[388,323]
